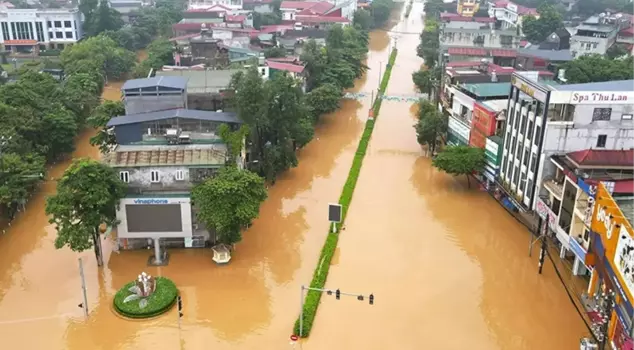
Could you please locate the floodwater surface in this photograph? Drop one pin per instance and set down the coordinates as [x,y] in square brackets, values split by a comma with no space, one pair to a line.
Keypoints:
[447,265]
[249,304]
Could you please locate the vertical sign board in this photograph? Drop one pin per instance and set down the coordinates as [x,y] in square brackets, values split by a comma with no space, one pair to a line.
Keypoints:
[334,215]
[483,119]
[528,87]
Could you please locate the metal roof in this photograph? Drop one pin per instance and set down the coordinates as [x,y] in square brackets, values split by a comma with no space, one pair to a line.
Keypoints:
[550,55]
[488,89]
[617,85]
[207,81]
[224,117]
[167,82]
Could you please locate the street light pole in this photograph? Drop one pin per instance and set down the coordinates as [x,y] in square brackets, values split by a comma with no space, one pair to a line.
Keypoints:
[338,293]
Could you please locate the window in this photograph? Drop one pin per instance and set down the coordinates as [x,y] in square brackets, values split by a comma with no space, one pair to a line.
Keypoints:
[529,189]
[5,31]
[69,35]
[533,162]
[517,118]
[58,24]
[602,140]
[124,176]
[523,125]
[508,140]
[504,165]
[538,131]
[67,24]
[516,173]
[601,114]
[529,132]
[155,176]
[522,182]
[48,24]
[59,35]
[626,116]
[510,121]
[179,175]
[513,146]
[50,36]
[526,156]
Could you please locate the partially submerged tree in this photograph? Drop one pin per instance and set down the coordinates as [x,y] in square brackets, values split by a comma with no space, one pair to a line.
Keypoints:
[100,118]
[424,79]
[430,126]
[229,202]
[88,195]
[596,68]
[322,100]
[460,160]
[234,139]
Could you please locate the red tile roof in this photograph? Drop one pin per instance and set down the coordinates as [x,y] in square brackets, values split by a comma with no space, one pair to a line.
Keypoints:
[454,17]
[503,53]
[257,1]
[289,67]
[318,6]
[284,59]
[627,32]
[604,158]
[457,64]
[321,19]
[501,3]
[275,28]
[237,18]
[620,186]
[466,51]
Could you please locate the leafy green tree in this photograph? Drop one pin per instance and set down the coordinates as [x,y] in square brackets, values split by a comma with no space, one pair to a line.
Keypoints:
[229,202]
[424,78]
[429,43]
[362,19]
[430,126]
[88,195]
[586,8]
[433,9]
[99,55]
[160,52]
[102,19]
[59,131]
[323,100]
[537,30]
[274,52]
[460,160]
[617,51]
[234,139]
[81,94]
[100,117]
[18,178]
[265,19]
[381,10]
[595,68]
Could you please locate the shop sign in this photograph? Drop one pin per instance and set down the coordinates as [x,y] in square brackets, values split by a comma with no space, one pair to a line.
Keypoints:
[596,98]
[528,88]
[577,249]
[546,214]
[617,284]
[459,129]
[151,201]
[476,139]
[607,220]
[624,258]
[483,120]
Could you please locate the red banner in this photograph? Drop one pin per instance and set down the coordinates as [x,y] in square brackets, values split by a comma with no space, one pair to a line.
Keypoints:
[477,139]
[483,120]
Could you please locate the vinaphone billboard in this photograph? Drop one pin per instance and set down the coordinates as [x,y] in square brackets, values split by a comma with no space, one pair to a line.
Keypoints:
[616,235]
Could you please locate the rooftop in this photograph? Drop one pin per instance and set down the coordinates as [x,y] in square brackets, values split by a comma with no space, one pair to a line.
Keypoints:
[207,81]
[166,82]
[550,55]
[604,86]
[223,117]
[602,158]
[192,155]
[596,28]
[454,17]
[488,89]
[285,66]
[594,166]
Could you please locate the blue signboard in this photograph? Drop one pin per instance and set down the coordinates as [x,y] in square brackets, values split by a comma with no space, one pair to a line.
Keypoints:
[617,284]
[576,248]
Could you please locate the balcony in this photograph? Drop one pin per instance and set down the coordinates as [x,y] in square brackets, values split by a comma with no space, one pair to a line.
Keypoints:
[555,187]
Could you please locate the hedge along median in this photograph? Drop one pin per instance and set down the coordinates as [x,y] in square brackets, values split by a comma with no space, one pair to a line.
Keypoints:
[311,302]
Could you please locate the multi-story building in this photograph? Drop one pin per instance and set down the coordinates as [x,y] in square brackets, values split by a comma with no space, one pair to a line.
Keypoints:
[322,13]
[509,14]
[597,33]
[32,30]
[206,4]
[467,8]
[473,38]
[161,156]
[544,118]
[154,94]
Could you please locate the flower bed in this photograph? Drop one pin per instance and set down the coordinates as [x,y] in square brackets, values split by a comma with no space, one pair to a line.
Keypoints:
[311,302]
[159,302]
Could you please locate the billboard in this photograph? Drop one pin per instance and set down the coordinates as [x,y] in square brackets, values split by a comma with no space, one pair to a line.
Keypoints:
[483,119]
[477,139]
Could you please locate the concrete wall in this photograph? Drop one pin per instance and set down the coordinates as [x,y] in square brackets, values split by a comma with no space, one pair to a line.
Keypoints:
[465,38]
[141,177]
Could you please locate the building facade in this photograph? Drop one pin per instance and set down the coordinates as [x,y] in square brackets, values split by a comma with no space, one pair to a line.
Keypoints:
[33,30]
[205,4]
[597,34]
[467,8]
[509,14]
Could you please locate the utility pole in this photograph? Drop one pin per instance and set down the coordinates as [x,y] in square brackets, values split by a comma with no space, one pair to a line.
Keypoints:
[338,293]
[83,305]
[380,73]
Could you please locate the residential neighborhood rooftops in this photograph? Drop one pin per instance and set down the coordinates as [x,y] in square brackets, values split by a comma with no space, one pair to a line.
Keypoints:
[550,55]
[488,89]
[616,85]
[223,117]
[607,158]
[289,67]
[125,156]
[317,7]
[207,81]
[321,19]
[166,82]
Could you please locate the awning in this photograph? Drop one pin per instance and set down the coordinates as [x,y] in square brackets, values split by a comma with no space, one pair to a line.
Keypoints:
[503,53]
[466,51]
[20,42]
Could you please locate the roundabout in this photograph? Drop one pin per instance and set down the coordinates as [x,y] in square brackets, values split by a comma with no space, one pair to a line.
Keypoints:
[145,297]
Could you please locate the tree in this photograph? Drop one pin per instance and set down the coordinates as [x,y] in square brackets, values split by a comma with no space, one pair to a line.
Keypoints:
[323,100]
[274,52]
[362,19]
[229,202]
[265,19]
[460,160]
[537,30]
[100,117]
[81,94]
[18,178]
[433,9]
[160,52]
[98,56]
[617,50]
[381,10]
[100,18]
[234,139]
[431,124]
[429,43]
[424,78]
[586,8]
[60,131]
[595,68]
[88,195]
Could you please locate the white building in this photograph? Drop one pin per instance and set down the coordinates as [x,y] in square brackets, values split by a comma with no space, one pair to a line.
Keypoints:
[546,119]
[205,4]
[31,30]
[597,33]
[510,14]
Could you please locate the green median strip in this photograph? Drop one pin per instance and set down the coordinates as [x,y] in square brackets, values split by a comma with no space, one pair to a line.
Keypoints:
[323,266]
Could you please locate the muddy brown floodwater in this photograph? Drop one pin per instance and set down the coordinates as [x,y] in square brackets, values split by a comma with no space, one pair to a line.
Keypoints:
[447,265]
[249,304]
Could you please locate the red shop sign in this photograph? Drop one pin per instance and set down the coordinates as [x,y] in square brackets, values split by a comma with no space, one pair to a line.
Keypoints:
[483,119]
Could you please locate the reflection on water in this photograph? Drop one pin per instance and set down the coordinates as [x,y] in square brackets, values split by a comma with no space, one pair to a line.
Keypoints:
[250,303]
[447,265]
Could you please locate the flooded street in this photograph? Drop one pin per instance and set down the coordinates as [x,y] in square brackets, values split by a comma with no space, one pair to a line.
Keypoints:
[249,304]
[447,265]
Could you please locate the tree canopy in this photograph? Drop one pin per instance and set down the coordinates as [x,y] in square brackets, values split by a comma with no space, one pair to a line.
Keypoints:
[380,11]
[424,78]
[88,195]
[537,30]
[98,55]
[229,202]
[98,120]
[431,124]
[460,160]
[429,45]
[595,68]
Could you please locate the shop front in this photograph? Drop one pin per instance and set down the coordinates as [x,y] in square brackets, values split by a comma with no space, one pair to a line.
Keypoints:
[457,132]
